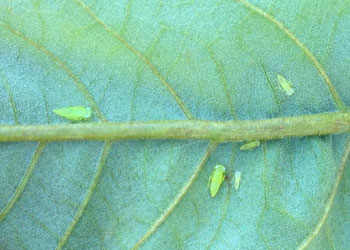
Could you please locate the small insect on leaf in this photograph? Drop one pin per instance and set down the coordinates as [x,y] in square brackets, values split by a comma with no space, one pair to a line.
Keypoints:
[238,176]
[216,179]
[75,113]
[250,145]
[285,85]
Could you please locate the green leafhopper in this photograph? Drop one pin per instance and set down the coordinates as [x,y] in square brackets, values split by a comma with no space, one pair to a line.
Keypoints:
[75,113]
[216,179]
[250,145]
[285,85]
[238,176]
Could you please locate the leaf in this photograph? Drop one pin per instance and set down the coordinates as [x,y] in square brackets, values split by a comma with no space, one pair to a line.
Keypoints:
[173,60]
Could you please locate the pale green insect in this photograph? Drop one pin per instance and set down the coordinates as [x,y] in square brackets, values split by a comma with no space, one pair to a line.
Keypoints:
[216,179]
[238,176]
[250,145]
[287,87]
[75,113]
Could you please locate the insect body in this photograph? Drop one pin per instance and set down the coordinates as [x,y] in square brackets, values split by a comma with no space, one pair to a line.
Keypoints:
[75,113]
[250,145]
[285,85]
[216,179]
[238,176]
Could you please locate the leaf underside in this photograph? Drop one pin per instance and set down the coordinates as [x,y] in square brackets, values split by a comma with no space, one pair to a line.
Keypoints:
[173,60]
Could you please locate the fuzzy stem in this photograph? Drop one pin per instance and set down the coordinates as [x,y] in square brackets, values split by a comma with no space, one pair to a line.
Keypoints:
[306,125]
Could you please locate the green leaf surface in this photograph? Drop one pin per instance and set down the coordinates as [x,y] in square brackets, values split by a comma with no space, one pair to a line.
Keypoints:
[173,60]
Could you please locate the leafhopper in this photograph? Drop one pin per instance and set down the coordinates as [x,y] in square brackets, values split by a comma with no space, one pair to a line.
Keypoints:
[237,179]
[75,113]
[286,86]
[216,179]
[250,145]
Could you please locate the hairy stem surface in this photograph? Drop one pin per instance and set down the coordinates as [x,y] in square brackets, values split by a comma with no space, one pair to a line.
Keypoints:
[275,128]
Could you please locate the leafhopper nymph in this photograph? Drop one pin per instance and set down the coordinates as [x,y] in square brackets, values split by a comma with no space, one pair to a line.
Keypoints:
[286,86]
[250,145]
[237,179]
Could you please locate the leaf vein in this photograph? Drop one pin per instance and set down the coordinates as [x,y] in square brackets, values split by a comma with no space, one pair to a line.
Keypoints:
[24,181]
[126,17]
[78,83]
[11,97]
[310,237]
[63,240]
[138,54]
[265,205]
[223,79]
[184,190]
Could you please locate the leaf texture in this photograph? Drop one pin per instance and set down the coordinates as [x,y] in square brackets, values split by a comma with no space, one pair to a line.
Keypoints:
[173,60]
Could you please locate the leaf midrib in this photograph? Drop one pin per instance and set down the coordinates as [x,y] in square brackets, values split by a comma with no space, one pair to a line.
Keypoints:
[267,129]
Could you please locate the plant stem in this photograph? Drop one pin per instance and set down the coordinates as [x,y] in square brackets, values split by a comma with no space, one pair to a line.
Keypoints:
[275,128]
